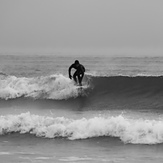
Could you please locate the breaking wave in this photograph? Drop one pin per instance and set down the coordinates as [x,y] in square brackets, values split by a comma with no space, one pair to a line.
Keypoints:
[96,88]
[45,87]
[139,131]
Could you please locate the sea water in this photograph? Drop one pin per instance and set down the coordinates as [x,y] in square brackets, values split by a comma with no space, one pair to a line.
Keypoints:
[116,117]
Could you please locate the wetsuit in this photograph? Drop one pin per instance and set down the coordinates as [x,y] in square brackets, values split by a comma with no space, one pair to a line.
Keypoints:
[78,73]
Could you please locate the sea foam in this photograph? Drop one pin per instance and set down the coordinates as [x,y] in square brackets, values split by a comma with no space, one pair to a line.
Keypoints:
[128,130]
[45,87]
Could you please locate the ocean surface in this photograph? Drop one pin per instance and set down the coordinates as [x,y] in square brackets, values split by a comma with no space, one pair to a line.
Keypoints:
[116,117]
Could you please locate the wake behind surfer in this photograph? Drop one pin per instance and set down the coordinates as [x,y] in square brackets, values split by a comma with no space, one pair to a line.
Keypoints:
[79,73]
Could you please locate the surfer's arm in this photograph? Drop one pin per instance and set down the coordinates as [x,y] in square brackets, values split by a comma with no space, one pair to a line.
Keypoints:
[69,71]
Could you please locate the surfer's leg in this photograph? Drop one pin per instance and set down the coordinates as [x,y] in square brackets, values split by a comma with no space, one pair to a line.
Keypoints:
[80,77]
[74,77]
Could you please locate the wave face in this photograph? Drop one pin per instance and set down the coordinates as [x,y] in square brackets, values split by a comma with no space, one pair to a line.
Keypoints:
[128,92]
[128,130]
[137,85]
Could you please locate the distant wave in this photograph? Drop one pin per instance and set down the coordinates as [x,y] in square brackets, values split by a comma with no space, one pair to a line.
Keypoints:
[128,130]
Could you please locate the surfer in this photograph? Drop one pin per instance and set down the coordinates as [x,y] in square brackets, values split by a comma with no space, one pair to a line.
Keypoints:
[80,69]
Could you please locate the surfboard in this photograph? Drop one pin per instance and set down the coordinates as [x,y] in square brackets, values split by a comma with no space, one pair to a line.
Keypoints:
[82,86]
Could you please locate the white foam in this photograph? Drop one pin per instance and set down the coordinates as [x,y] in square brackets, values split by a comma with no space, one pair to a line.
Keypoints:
[42,158]
[128,130]
[104,74]
[48,87]
[73,158]
[5,153]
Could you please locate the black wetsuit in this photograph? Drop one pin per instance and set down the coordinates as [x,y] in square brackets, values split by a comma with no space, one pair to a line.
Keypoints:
[78,73]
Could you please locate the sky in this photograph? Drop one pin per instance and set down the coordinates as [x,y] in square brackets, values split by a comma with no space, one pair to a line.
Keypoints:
[81,24]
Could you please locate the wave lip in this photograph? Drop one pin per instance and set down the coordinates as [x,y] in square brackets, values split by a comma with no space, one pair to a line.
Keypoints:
[128,130]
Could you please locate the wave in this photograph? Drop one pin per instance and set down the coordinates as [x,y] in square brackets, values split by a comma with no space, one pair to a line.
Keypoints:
[133,131]
[99,91]
[59,85]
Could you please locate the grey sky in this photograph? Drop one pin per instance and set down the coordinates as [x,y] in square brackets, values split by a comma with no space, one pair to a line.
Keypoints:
[81,24]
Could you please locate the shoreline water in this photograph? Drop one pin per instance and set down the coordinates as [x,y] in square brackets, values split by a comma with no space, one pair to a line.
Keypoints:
[26,148]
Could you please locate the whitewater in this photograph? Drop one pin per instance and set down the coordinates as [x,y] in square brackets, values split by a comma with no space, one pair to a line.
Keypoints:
[118,109]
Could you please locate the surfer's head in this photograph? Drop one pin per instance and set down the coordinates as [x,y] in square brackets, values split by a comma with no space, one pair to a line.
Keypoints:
[76,62]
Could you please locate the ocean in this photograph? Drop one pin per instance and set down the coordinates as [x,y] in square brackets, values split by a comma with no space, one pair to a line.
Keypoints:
[117,116]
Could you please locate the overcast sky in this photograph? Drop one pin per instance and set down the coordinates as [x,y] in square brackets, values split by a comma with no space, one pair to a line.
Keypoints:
[94,24]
